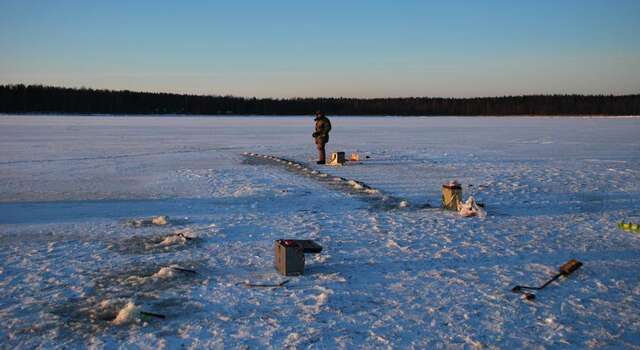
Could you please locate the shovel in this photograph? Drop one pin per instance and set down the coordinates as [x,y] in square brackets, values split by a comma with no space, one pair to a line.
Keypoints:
[565,270]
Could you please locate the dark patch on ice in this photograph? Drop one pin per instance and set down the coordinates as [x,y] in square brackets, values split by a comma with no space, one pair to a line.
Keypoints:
[123,210]
[118,156]
[68,211]
[145,277]
[571,203]
[148,222]
[112,290]
[92,315]
[153,244]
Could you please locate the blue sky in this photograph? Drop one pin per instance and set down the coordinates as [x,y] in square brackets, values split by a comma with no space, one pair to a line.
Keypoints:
[325,48]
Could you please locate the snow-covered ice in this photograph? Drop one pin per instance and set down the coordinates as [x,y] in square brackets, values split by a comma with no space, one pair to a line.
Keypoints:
[395,272]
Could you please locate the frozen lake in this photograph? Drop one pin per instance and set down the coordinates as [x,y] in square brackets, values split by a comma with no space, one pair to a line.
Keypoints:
[73,273]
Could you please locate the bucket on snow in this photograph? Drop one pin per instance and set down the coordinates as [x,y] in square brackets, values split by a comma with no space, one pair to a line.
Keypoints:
[289,255]
[337,158]
[451,195]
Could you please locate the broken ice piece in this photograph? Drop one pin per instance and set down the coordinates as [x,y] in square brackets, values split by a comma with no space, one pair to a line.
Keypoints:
[160,220]
[156,220]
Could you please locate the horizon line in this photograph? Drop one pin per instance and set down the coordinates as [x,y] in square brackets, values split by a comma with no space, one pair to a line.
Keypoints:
[311,97]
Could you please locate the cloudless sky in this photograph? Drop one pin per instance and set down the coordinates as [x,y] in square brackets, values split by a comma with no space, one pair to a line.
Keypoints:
[325,48]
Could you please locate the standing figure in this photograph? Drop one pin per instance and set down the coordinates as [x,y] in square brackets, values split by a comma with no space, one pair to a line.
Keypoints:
[321,135]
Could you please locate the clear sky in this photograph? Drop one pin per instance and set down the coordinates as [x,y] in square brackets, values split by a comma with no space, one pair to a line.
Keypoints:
[325,48]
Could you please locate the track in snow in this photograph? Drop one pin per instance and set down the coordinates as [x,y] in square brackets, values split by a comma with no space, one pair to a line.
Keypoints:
[353,187]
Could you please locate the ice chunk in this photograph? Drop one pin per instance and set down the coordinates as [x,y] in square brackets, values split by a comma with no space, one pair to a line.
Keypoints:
[165,272]
[160,220]
[127,314]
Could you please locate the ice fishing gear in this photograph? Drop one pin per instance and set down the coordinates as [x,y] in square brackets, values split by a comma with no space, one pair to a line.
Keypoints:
[337,159]
[180,269]
[629,227]
[289,255]
[451,195]
[272,285]
[565,270]
[152,314]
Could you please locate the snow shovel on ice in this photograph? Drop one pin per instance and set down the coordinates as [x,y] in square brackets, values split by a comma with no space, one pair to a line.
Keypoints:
[565,270]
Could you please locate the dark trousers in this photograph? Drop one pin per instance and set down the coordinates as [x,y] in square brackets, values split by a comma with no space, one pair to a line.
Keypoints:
[322,156]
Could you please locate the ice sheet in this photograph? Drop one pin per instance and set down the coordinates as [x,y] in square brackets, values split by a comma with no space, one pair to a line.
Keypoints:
[414,276]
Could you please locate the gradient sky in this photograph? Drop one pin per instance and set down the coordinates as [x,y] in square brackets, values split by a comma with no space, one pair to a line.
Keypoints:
[325,48]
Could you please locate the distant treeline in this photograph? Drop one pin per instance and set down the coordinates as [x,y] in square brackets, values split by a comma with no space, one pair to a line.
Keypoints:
[45,99]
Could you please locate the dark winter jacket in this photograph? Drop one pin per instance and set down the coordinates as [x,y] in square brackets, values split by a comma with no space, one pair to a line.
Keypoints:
[323,126]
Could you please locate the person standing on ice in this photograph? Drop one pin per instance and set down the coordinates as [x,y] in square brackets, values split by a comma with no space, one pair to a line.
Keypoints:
[321,135]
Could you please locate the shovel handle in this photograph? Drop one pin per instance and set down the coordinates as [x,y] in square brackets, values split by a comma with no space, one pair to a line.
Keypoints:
[564,270]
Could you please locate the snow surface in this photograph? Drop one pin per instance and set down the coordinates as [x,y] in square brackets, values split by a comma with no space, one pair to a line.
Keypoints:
[74,273]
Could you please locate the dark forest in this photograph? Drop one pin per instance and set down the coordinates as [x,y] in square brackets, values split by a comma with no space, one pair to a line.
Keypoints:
[19,99]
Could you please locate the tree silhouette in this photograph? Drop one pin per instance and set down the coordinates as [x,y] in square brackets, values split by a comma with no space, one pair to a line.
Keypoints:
[20,99]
